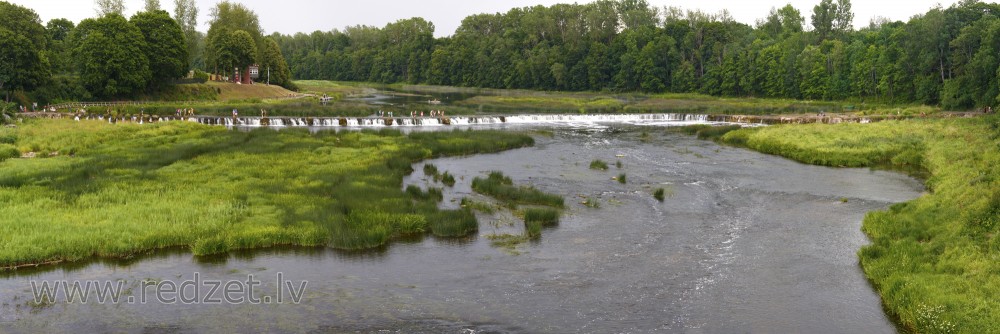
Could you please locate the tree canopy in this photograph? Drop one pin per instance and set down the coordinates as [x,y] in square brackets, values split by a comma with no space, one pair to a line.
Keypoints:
[22,42]
[110,57]
[165,47]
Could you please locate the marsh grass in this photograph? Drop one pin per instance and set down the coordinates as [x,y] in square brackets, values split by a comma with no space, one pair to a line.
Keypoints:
[544,216]
[933,260]
[478,206]
[502,188]
[448,179]
[619,165]
[128,189]
[659,194]
[622,178]
[598,165]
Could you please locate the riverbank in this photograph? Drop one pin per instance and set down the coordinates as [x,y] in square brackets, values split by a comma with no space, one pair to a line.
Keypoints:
[933,260]
[117,190]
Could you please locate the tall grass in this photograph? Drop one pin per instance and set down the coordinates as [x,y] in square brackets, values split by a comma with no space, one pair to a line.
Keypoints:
[598,165]
[933,260]
[502,188]
[126,189]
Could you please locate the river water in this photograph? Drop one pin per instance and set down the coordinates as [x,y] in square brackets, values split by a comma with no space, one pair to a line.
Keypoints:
[744,242]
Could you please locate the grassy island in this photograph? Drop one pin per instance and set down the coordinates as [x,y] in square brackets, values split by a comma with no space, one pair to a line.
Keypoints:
[94,189]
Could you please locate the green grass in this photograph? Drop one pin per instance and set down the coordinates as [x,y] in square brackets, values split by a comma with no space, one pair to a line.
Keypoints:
[598,165]
[502,188]
[448,179]
[478,206]
[122,190]
[619,165]
[934,260]
[622,178]
[544,216]
[659,194]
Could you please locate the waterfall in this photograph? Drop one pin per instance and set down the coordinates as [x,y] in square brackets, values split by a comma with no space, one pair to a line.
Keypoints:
[568,119]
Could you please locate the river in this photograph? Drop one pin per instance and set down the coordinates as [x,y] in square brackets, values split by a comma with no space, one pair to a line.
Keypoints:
[744,242]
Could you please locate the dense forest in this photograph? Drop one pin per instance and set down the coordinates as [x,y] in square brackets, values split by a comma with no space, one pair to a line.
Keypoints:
[946,56]
[114,57]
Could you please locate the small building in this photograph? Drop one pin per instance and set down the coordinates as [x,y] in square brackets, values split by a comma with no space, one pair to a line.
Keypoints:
[254,72]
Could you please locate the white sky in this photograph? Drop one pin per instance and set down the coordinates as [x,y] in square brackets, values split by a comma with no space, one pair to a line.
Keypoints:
[291,16]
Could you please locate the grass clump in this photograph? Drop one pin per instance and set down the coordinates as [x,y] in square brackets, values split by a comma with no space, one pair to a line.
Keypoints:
[619,165]
[622,178]
[430,170]
[502,188]
[659,194]
[130,189]
[933,260]
[544,216]
[448,179]
[477,206]
[598,165]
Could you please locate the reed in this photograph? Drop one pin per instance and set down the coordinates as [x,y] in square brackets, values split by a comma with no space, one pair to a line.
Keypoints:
[544,216]
[622,178]
[659,194]
[598,165]
[502,188]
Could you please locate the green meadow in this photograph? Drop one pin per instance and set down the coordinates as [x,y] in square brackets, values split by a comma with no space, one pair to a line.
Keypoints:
[935,260]
[103,190]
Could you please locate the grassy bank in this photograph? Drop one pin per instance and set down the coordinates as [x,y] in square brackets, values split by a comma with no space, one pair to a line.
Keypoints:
[934,260]
[501,101]
[118,190]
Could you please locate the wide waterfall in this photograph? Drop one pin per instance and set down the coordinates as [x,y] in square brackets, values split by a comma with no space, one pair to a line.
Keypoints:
[640,119]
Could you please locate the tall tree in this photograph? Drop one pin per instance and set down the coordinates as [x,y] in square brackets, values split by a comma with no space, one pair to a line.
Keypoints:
[273,66]
[59,52]
[228,17]
[152,5]
[110,57]
[236,50]
[164,47]
[822,18]
[105,7]
[186,14]
[843,18]
[22,41]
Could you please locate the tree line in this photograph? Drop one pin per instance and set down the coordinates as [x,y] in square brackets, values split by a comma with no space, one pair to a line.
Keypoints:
[946,56]
[114,57]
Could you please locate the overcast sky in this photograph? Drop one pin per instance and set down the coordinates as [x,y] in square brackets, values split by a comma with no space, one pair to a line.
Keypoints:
[291,16]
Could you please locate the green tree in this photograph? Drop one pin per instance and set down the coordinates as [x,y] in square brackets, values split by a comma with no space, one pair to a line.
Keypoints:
[21,65]
[22,41]
[822,18]
[23,22]
[236,50]
[106,7]
[152,5]
[60,51]
[273,64]
[165,47]
[186,14]
[110,57]
[228,17]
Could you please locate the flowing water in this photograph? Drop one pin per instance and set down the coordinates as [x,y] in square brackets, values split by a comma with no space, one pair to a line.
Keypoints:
[744,242]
